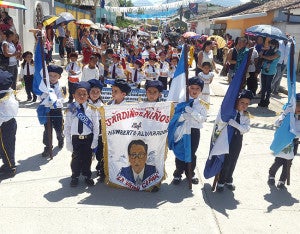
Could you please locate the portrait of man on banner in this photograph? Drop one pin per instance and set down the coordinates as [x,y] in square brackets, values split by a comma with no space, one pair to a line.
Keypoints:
[135,139]
[139,172]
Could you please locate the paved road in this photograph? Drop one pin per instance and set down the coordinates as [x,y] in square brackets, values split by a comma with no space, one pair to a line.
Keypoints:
[39,199]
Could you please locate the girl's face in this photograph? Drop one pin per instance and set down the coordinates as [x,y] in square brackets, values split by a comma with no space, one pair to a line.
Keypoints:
[174,62]
[95,94]
[152,94]
[28,58]
[206,69]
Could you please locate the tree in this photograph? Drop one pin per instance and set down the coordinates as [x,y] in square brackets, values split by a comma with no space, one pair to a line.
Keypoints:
[125,3]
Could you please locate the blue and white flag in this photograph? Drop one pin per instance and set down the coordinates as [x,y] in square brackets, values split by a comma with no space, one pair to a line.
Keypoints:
[284,135]
[177,91]
[222,132]
[41,86]
[179,134]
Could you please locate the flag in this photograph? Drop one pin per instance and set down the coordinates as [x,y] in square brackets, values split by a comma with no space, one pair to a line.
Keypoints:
[284,135]
[222,132]
[177,92]
[179,134]
[102,3]
[39,86]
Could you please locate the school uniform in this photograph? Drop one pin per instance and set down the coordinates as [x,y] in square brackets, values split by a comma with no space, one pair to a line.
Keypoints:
[241,125]
[73,79]
[151,72]
[81,139]
[116,71]
[89,73]
[137,76]
[8,125]
[207,78]
[26,73]
[163,73]
[56,119]
[194,119]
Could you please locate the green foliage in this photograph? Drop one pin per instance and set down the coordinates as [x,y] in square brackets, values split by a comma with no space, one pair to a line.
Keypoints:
[65,1]
[126,3]
[124,23]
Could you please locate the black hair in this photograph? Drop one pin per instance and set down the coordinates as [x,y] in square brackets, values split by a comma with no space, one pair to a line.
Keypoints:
[24,56]
[8,33]
[206,64]
[137,142]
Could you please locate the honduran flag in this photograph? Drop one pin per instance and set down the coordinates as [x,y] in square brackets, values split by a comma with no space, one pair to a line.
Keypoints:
[222,132]
[41,86]
[179,131]
[284,135]
[177,92]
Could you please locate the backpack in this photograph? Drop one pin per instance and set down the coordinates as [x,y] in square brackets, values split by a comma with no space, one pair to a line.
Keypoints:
[4,61]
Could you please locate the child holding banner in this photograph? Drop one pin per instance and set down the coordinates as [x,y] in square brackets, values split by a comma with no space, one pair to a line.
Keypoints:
[81,132]
[286,156]
[153,90]
[241,125]
[194,116]
[120,89]
[95,100]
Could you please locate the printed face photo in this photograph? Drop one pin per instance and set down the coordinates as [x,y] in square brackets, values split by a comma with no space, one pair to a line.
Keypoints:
[137,158]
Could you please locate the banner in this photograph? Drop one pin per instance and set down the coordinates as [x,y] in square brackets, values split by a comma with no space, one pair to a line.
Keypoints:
[135,149]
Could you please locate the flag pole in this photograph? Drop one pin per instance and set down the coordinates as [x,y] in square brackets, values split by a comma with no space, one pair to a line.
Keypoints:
[187,97]
[292,53]
[48,124]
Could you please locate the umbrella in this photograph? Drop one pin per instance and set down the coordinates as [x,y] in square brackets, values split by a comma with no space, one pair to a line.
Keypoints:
[64,17]
[266,30]
[108,26]
[115,28]
[220,40]
[49,19]
[142,33]
[94,26]
[4,4]
[86,22]
[189,34]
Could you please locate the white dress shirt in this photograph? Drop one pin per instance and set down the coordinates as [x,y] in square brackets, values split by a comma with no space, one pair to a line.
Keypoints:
[89,74]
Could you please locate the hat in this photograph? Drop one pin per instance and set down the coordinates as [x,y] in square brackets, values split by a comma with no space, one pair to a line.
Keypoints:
[196,81]
[55,68]
[246,94]
[122,85]
[116,56]
[139,62]
[5,80]
[83,84]
[94,83]
[154,83]
[152,56]
[298,97]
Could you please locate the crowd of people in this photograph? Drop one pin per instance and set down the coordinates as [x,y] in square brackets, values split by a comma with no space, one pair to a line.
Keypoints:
[132,61]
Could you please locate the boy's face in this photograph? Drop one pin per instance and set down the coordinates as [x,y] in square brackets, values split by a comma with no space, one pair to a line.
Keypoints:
[95,93]
[53,77]
[152,94]
[81,95]
[117,95]
[151,62]
[115,60]
[242,104]
[73,59]
[93,62]
[195,91]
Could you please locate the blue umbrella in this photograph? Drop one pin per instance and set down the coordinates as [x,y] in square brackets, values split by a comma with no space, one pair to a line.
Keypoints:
[266,30]
[64,17]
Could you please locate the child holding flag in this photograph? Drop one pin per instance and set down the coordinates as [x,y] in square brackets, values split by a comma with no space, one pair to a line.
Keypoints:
[241,125]
[193,118]
[286,156]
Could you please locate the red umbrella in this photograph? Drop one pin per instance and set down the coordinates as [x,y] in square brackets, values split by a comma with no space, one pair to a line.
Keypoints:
[189,34]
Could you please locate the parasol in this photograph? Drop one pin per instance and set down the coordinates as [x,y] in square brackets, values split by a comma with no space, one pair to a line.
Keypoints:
[64,17]
[49,19]
[266,30]
[220,41]
[12,5]
[86,22]
[189,34]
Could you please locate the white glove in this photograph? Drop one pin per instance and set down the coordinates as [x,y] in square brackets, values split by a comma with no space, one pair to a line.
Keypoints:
[233,123]
[289,109]
[69,146]
[187,116]
[188,109]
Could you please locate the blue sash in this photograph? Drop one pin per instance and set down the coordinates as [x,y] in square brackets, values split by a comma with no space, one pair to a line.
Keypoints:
[84,119]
